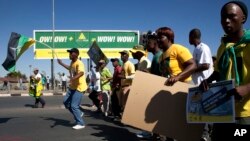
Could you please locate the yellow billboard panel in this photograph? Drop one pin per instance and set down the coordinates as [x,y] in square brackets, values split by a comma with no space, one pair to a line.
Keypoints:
[63,54]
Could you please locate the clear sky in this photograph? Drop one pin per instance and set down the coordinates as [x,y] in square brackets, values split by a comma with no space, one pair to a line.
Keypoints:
[24,16]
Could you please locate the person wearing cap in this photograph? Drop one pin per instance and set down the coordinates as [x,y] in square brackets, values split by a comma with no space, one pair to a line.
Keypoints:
[127,75]
[139,53]
[115,87]
[233,63]
[77,87]
[36,88]
[106,76]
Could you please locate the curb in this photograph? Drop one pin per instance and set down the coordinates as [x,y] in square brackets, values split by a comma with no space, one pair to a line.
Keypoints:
[26,94]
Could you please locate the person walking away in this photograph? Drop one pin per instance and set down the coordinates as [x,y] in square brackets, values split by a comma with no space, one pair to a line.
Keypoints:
[48,82]
[44,81]
[64,82]
[77,87]
[21,83]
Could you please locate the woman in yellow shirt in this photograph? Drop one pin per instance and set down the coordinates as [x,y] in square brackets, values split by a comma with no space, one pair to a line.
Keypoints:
[176,61]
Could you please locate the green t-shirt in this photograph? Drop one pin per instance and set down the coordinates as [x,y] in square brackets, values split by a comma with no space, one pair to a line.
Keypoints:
[155,66]
[105,83]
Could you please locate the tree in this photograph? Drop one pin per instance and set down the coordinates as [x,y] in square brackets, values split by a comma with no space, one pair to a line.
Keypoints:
[17,74]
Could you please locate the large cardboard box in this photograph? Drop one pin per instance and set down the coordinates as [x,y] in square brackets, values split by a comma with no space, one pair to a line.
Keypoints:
[157,108]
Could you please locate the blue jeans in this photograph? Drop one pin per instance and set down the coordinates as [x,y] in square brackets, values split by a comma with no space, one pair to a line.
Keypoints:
[72,101]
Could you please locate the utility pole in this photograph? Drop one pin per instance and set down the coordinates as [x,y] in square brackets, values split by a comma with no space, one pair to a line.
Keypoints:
[52,60]
[30,69]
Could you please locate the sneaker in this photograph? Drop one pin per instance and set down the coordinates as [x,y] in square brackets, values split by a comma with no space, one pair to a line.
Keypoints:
[105,114]
[205,139]
[116,118]
[144,135]
[77,127]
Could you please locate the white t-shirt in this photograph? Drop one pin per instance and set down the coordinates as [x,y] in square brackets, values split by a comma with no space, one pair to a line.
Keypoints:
[144,63]
[202,55]
[97,82]
[95,79]
[38,75]
[64,78]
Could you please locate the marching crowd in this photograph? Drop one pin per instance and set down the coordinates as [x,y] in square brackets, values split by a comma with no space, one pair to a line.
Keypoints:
[173,61]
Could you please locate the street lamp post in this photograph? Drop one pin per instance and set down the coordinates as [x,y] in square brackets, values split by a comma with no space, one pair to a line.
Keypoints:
[30,68]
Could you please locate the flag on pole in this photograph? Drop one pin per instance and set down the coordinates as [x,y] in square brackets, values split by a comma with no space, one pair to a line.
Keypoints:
[17,45]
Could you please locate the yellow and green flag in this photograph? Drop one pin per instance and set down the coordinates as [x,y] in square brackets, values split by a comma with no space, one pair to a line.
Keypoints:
[17,45]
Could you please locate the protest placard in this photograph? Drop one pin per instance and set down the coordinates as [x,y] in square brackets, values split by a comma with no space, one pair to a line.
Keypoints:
[96,54]
[211,106]
[155,107]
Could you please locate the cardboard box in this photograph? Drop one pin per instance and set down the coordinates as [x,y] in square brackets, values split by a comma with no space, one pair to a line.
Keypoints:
[155,107]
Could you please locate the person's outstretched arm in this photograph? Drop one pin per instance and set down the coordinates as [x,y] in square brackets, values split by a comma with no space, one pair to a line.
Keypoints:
[62,64]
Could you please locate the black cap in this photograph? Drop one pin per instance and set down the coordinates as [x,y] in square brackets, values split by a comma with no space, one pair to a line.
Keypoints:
[73,50]
[114,59]
[241,5]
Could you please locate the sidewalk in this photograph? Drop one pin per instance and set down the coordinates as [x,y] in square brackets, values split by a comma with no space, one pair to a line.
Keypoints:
[4,93]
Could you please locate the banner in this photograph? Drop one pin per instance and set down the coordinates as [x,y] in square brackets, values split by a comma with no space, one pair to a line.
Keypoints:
[110,41]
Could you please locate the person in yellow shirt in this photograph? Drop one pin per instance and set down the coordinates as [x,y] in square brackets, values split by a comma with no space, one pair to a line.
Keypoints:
[176,61]
[127,75]
[77,87]
[233,63]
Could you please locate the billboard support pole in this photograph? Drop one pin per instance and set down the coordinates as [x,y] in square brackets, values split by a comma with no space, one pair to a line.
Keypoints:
[52,60]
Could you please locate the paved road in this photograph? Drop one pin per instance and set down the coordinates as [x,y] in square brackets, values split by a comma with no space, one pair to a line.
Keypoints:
[20,122]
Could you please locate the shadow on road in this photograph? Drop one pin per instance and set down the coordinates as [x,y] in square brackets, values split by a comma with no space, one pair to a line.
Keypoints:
[59,122]
[29,105]
[4,120]
[111,133]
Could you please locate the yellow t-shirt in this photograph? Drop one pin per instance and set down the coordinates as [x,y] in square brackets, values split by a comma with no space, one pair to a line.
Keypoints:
[80,83]
[242,108]
[172,60]
[128,69]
